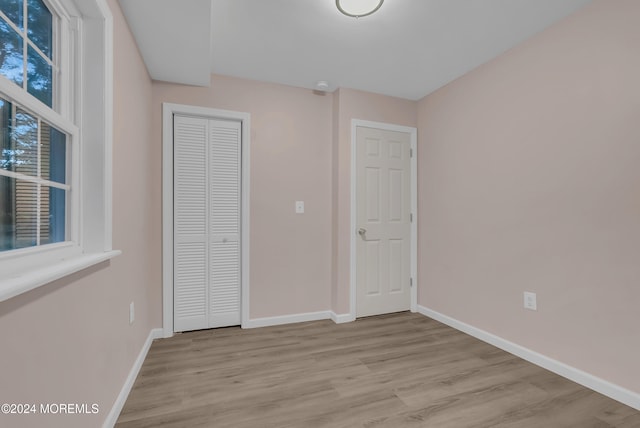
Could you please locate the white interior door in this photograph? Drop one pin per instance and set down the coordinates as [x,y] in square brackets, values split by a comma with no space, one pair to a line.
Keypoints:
[224,223]
[207,196]
[383,209]
[190,290]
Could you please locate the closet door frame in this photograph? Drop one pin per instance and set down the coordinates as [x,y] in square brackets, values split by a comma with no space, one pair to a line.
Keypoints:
[168,111]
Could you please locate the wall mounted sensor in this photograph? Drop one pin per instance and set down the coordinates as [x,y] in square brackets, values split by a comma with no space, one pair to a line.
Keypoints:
[322,85]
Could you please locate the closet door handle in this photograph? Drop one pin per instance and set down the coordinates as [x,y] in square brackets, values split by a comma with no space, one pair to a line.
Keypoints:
[362,232]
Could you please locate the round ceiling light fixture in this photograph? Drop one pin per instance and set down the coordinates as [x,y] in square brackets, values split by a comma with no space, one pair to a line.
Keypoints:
[358,8]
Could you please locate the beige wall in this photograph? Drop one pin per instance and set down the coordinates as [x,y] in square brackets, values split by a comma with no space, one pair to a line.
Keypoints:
[290,269]
[70,341]
[300,150]
[529,180]
[352,104]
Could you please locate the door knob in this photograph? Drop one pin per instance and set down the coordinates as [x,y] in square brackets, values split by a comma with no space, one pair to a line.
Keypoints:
[362,232]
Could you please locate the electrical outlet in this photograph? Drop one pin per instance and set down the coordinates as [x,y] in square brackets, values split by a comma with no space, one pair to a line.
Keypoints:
[132,313]
[299,207]
[530,301]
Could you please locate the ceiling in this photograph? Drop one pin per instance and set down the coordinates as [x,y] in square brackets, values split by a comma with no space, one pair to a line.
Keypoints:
[407,49]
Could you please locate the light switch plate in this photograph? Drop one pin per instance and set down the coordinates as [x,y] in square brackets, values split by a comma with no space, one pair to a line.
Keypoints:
[530,301]
[299,207]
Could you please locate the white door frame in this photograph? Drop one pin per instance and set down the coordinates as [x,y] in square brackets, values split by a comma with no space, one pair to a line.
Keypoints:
[168,110]
[413,132]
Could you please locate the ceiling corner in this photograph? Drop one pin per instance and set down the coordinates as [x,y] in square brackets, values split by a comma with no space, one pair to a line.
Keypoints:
[174,38]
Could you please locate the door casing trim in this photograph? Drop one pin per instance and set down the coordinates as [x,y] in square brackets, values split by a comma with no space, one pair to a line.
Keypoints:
[168,111]
[413,183]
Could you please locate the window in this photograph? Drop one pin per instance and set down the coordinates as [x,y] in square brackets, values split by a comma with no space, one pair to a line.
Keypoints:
[33,178]
[34,172]
[55,139]
[27,54]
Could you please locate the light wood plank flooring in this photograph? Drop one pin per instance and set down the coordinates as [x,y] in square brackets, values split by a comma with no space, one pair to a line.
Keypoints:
[398,370]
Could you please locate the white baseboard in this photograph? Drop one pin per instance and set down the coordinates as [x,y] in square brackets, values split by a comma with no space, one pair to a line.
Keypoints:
[291,319]
[112,417]
[286,319]
[618,393]
[341,318]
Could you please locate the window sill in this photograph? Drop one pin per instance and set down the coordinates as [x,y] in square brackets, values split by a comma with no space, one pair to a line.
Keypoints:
[21,283]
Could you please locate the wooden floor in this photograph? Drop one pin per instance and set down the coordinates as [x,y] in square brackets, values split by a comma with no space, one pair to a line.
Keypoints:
[399,370]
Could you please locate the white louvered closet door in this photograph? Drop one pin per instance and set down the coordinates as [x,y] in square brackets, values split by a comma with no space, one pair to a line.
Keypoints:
[190,229]
[224,223]
[206,223]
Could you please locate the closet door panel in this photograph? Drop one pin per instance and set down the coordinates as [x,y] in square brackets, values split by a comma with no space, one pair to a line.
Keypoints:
[190,224]
[224,304]
[224,223]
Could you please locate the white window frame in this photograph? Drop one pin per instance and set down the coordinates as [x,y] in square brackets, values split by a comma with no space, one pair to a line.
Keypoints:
[85,114]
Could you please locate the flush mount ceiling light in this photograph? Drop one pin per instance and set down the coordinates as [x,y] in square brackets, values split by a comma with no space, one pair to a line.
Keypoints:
[358,8]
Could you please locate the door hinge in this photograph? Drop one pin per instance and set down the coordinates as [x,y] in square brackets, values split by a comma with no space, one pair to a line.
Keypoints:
[410,282]
[410,153]
[410,217]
